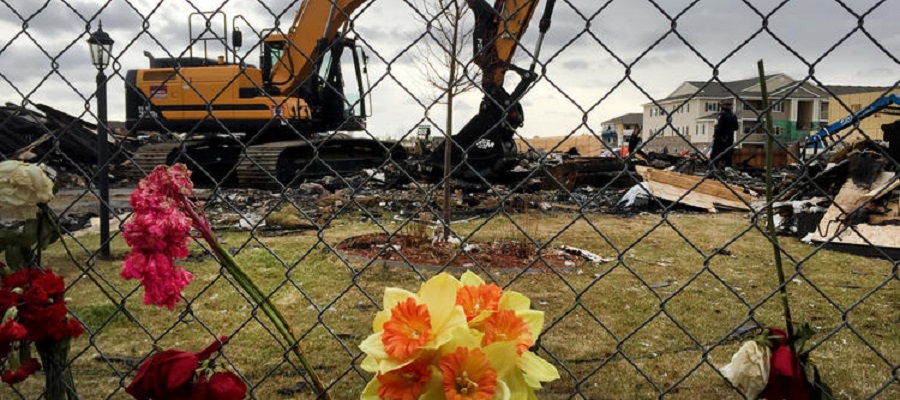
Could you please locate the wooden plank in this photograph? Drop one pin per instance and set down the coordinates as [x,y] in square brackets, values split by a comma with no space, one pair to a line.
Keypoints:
[694,190]
[834,229]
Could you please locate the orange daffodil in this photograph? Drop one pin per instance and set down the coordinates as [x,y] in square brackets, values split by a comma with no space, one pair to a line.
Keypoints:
[455,339]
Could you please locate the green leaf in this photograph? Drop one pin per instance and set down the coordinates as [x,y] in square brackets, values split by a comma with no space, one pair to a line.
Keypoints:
[15,257]
[802,334]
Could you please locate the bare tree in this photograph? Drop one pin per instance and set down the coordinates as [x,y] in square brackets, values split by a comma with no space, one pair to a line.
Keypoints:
[442,55]
[440,62]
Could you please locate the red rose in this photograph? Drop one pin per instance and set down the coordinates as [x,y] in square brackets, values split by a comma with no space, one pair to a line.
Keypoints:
[44,321]
[74,328]
[162,374]
[168,375]
[36,295]
[8,299]
[19,375]
[49,282]
[15,279]
[226,386]
[11,331]
[786,379]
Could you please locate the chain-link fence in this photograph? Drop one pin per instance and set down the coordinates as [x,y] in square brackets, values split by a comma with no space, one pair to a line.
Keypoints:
[315,131]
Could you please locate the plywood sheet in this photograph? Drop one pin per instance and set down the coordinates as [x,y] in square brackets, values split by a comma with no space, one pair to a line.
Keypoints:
[694,191]
[834,229]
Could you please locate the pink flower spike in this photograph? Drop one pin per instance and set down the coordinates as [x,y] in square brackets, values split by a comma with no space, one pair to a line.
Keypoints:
[159,233]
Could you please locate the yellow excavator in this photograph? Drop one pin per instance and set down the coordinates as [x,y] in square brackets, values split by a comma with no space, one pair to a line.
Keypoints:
[277,123]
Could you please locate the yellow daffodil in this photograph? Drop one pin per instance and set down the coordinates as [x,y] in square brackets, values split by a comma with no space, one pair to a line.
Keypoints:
[513,321]
[452,339]
[412,324]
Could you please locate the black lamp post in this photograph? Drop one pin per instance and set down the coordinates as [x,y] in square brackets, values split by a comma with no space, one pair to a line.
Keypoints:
[101,50]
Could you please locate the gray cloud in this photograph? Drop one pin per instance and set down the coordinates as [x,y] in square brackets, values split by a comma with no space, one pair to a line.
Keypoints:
[579,43]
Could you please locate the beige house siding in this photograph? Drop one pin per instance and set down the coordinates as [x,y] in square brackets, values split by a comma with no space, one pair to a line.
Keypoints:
[804,109]
[587,145]
[869,127]
[685,119]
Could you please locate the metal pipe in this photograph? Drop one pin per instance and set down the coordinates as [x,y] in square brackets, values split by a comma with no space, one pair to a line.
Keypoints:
[102,164]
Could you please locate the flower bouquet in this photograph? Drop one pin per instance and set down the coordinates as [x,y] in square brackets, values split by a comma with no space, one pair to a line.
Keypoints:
[182,375]
[33,308]
[164,215]
[455,339]
[774,366]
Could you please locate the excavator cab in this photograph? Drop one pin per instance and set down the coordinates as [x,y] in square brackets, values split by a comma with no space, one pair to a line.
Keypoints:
[273,48]
[341,105]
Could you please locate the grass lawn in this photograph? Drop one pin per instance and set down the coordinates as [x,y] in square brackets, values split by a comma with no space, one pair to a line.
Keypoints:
[655,322]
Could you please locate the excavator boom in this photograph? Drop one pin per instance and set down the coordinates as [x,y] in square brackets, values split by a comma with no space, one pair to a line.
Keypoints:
[315,26]
[498,31]
[486,143]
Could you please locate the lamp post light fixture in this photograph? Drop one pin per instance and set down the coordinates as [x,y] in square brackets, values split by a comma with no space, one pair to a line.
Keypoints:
[101,51]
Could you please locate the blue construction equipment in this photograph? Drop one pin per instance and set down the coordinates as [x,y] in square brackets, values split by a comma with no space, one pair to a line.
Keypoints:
[820,139]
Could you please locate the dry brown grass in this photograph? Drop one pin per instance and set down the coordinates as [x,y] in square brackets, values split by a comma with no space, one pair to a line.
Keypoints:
[688,292]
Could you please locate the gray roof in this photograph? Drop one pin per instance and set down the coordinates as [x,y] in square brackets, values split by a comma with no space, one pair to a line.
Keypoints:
[716,89]
[839,90]
[630,118]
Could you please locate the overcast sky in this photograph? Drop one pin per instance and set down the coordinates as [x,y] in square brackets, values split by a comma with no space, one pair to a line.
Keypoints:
[584,52]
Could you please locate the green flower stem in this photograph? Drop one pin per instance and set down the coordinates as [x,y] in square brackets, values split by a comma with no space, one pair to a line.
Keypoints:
[272,312]
[59,381]
[770,214]
[60,384]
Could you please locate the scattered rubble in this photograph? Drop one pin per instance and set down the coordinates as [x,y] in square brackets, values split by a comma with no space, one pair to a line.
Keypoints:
[865,210]
[66,143]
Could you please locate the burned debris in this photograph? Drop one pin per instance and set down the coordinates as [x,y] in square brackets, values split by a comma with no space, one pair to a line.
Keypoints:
[844,197]
[66,143]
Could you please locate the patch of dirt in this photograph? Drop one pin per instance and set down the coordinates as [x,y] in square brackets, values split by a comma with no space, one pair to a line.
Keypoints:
[421,252]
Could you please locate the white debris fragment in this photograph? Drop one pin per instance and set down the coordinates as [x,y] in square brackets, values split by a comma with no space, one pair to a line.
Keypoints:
[637,192]
[585,254]
[251,221]
[808,238]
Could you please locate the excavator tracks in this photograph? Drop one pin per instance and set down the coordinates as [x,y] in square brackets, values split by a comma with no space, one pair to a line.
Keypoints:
[272,165]
[258,165]
[148,157]
[211,161]
[280,164]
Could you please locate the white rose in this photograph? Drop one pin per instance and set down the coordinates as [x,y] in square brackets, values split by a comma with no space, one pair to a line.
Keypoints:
[22,187]
[749,369]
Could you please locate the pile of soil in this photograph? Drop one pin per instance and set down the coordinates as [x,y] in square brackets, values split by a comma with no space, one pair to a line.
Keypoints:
[421,252]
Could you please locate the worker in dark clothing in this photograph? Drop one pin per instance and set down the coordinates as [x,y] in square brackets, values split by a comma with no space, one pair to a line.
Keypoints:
[723,135]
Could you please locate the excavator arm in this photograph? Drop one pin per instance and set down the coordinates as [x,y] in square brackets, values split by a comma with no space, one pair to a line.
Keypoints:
[485,142]
[315,27]
[498,30]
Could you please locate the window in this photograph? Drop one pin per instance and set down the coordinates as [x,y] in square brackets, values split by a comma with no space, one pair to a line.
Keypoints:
[778,131]
[778,107]
[712,106]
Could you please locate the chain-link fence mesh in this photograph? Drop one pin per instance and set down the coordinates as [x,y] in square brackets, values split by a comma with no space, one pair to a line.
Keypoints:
[328,200]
